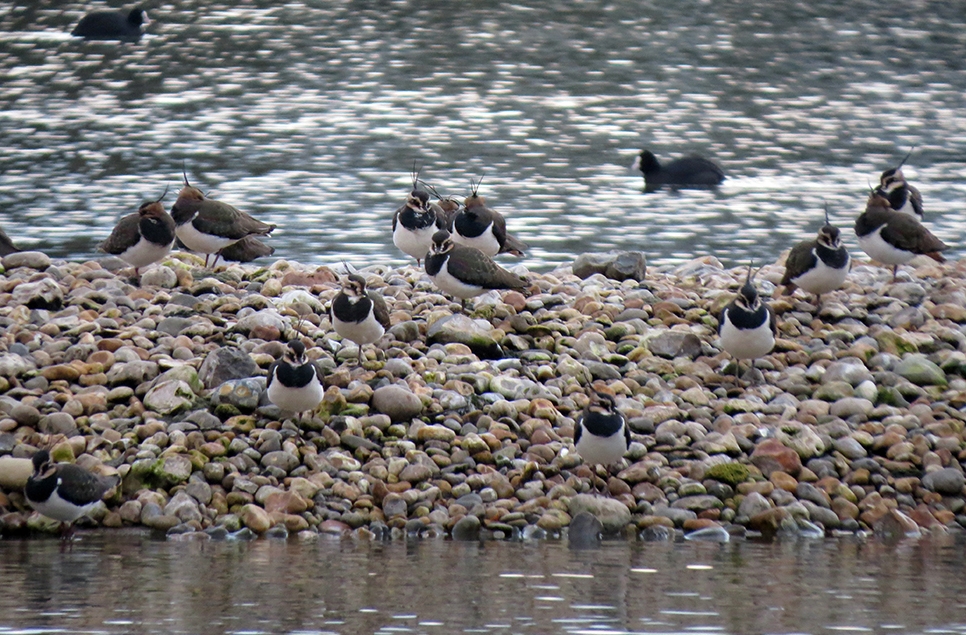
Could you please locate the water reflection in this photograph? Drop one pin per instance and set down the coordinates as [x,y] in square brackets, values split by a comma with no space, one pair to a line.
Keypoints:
[310,116]
[115,582]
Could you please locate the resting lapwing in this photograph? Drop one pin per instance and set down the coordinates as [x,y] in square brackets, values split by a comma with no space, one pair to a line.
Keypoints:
[245,250]
[902,197]
[818,266]
[466,272]
[690,172]
[207,226]
[64,491]
[602,436]
[747,325]
[143,238]
[479,226]
[294,382]
[359,315]
[894,238]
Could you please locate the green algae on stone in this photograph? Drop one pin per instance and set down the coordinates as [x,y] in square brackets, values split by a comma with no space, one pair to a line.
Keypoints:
[730,473]
[920,371]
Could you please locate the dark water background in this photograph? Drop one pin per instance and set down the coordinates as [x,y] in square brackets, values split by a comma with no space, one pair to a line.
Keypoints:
[116,582]
[310,115]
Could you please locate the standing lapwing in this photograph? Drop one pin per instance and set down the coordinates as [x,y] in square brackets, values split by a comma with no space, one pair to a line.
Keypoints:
[359,315]
[690,172]
[479,226]
[818,266]
[294,382]
[894,238]
[143,238]
[902,197]
[414,224]
[602,436]
[64,491]
[747,325]
[207,226]
[466,272]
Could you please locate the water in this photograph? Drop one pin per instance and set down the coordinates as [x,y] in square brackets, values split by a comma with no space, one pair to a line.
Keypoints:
[311,116]
[120,582]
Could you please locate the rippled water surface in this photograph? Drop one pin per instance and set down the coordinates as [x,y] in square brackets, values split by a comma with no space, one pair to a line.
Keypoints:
[311,116]
[113,582]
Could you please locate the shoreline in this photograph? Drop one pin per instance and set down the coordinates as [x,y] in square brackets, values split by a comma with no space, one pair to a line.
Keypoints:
[464,427]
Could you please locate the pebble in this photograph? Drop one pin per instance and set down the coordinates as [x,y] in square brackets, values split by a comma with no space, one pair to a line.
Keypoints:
[463,423]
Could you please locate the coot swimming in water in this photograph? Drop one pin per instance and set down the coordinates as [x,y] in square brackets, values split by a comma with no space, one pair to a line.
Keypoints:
[112,25]
[692,172]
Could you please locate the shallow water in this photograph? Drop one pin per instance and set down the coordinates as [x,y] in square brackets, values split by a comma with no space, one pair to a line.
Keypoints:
[120,582]
[311,116]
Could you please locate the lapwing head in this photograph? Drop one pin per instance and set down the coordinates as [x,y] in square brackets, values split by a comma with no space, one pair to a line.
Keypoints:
[892,180]
[417,201]
[442,242]
[748,295]
[41,461]
[877,200]
[601,402]
[295,354]
[446,203]
[829,236]
[189,193]
[153,209]
[354,286]
[474,198]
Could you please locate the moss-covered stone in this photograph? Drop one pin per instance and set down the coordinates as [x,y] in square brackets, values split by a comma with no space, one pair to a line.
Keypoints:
[730,473]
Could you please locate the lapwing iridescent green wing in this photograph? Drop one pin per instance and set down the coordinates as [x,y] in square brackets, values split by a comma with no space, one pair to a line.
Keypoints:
[601,436]
[819,265]
[64,491]
[477,225]
[466,272]
[894,238]
[902,196]
[295,382]
[142,238]
[207,226]
[747,325]
[359,315]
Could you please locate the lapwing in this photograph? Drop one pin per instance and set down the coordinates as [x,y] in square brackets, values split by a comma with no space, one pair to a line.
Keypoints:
[359,315]
[245,250]
[902,197]
[64,491]
[747,325]
[690,172]
[479,226]
[466,272]
[143,238]
[112,25]
[602,436]
[818,266]
[894,238]
[6,245]
[294,382]
[207,226]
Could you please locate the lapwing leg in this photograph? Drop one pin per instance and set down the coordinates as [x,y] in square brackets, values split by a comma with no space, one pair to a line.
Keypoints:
[419,263]
[895,272]
[215,263]
[206,261]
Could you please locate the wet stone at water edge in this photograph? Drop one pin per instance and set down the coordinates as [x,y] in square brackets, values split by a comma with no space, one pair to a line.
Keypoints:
[463,425]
